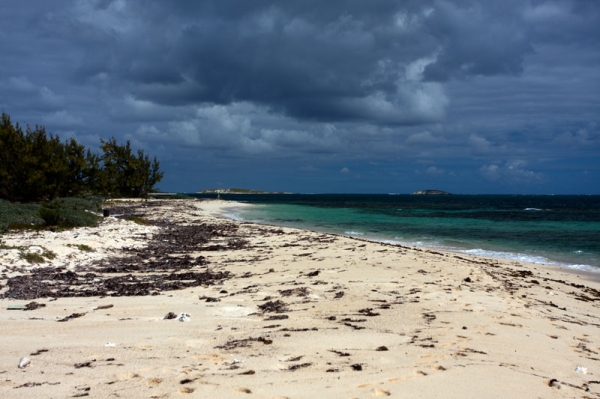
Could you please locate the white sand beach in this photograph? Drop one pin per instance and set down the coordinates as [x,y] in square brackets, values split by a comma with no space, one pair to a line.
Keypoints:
[282,313]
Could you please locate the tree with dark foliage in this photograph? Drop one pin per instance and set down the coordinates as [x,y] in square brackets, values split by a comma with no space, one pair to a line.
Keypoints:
[36,166]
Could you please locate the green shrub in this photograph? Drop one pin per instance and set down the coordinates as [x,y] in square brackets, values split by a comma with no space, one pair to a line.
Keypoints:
[16,215]
[93,204]
[51,213]
[78,219]
[61,212]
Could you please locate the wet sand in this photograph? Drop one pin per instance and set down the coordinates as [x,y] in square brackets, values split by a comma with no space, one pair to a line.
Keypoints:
[277,312]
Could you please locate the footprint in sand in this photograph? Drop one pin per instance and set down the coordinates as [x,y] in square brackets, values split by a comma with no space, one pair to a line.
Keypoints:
[186,390]
[154,381]
[398,379]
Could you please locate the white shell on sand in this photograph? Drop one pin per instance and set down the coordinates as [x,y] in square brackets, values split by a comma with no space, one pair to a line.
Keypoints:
[24,362]
[184,316]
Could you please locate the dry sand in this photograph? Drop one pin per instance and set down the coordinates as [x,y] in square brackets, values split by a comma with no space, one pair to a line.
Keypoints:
[301,315]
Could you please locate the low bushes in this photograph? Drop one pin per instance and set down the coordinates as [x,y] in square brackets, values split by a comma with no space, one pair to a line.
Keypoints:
[60,212]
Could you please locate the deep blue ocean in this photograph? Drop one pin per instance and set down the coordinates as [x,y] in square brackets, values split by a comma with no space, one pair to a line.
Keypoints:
[560,230]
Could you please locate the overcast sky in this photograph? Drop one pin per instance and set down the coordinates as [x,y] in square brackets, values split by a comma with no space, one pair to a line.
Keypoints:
[319,96]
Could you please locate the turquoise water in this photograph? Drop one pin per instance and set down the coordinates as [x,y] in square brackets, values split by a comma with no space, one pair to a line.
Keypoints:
[561,230]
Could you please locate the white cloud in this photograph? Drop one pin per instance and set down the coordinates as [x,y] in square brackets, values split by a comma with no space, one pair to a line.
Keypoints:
[22,84]
[62,120]
[424,138]
[511,171]
[434,171]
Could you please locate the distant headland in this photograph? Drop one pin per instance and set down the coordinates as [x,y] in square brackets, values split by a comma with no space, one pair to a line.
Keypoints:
[431,192]
[237,191]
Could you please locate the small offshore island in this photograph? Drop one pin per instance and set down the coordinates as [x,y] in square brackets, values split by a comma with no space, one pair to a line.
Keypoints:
[237,191]
[431,192]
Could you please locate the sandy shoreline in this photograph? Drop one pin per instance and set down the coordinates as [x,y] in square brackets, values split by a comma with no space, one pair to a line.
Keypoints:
[279,312]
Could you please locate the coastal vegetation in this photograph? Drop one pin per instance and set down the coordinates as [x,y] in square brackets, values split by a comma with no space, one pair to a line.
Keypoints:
[59,213]
[48,183]
[36,166]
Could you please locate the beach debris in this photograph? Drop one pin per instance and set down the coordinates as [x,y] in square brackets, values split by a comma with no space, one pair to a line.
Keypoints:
[243,343]
[184,317]
[356,367]
[34,306]
[274,306]
[102,307]
[381,348]
[163,265]
[468,280]
[170,315]
[549,293]
[338,295]
[339,353]
[236,361]
[300,291]
[84,364]
[354,326]
[71,316]
[299,366]
[249,372]
[581,370]
[553,383]
[24,362]
[368,312]
[110,344]
[278,317]
[209,298]
[16,307]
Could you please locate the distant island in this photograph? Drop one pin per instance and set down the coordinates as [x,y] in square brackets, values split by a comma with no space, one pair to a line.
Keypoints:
[237,191]
[431,192]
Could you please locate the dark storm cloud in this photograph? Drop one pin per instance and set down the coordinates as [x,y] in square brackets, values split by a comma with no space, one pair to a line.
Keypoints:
[313,60]
[495,92]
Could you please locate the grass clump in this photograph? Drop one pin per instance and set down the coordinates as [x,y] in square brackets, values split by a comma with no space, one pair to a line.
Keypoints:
[34,257]
[82,247]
